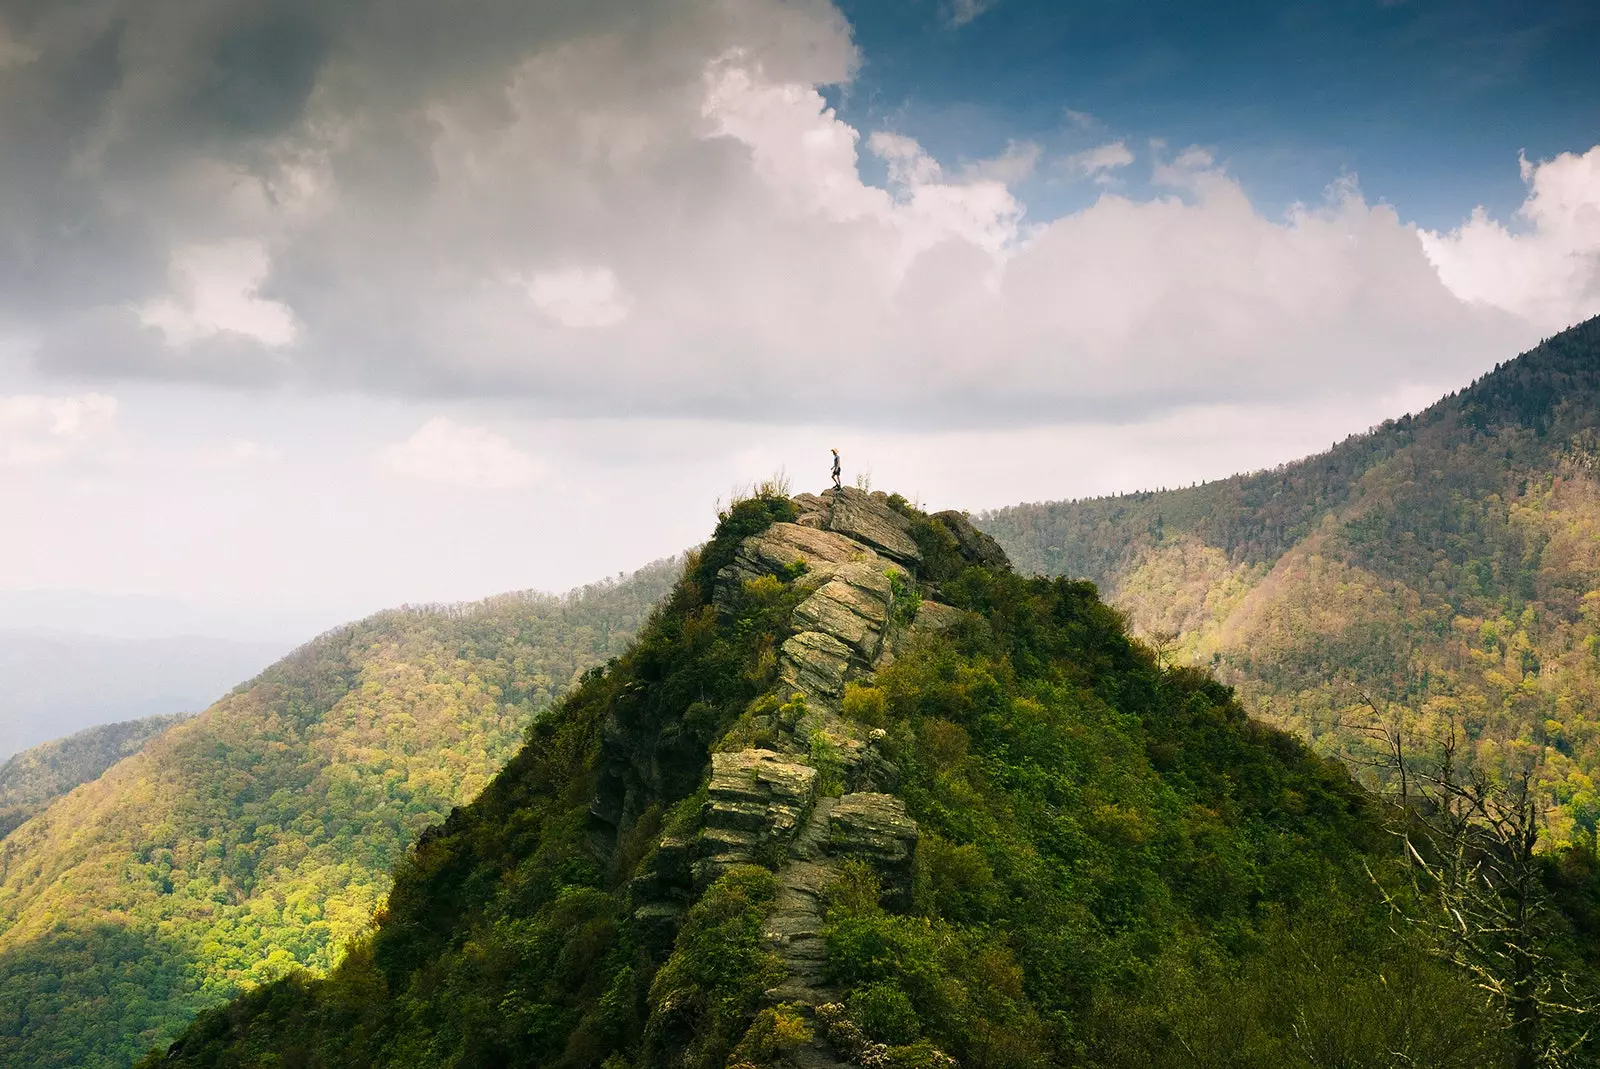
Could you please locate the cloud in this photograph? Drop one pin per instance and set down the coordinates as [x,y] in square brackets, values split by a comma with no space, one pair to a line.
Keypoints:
[38,431]
[1549,272]
[448,453]
[216,290]
[579,296]
[1098,162]
[1016,164]
[241,453]
[960,12]
[602,210]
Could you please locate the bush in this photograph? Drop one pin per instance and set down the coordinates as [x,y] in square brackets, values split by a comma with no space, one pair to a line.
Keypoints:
[885,1013]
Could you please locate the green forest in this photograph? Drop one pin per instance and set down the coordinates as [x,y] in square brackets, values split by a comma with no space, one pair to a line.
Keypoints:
[1441,571]
[258,837]
[1113,865]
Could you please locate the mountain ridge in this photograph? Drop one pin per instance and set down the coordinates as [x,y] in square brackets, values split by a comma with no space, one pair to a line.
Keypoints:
[861,794]
[1445,564]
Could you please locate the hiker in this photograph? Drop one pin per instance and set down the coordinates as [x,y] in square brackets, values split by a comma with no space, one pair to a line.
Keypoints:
[836,483]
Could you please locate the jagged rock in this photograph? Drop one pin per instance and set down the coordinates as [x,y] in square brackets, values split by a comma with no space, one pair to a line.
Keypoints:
[782,546]
[976,546]
[656,924]
[853,607]
[755,803]
[933,616]
[874,826]
[813,510]
[816,664]
[870,521]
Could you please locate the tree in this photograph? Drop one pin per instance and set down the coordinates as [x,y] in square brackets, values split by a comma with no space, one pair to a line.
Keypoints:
[1476,878]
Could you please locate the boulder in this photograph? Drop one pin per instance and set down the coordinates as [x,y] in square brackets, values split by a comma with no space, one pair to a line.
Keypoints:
[877,828]
[871,521]
[852,607]
[933,616]
[816,664]
[975,546]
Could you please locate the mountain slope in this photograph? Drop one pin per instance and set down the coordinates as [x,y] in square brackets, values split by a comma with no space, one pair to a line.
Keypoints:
[859,793]
[1447,563]
[33,779]
[259,835]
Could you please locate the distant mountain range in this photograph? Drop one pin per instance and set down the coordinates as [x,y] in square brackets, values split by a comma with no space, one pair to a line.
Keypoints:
[53,683]
[1446,564]
[31,780]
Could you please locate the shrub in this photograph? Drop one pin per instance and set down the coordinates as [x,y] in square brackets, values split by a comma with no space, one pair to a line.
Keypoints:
[885,1013]
[864,704]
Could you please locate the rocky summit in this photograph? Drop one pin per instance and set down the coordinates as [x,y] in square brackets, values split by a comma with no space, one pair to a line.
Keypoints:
[806,800]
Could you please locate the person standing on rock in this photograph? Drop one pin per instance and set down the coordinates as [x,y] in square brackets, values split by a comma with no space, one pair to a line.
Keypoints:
[836,484]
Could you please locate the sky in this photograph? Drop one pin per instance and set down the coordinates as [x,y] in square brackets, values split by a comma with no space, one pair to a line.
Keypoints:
[313,308]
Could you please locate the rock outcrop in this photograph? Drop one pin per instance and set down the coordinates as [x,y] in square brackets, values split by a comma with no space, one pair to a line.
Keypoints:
[973,543]
[788,804]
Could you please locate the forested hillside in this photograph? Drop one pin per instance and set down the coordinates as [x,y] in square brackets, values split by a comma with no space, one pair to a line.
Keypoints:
[259,835]
[862,795]
[1445,566]
[34,778]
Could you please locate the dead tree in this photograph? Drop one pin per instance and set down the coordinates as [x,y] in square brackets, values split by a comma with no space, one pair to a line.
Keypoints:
[1470,842]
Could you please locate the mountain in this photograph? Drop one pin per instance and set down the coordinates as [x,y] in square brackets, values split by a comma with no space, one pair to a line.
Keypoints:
[1445,565]
[53,683]
[33,779]
[861,794]
[258,836]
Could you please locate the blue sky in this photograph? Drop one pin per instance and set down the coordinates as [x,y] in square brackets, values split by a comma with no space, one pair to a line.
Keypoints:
[1425,100]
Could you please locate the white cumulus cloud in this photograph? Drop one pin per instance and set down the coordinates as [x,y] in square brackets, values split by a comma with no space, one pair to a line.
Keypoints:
[1098,162]
[1548,271]
[36,430]
[580,296]
[445,452]
[215,290]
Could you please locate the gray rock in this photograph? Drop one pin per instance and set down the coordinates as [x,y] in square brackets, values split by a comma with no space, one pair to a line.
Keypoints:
[656,924]
[932,616]
[874,826]
[755,803]
[869,520]
[781,547]
[852,607]
[816,664]
[976,546]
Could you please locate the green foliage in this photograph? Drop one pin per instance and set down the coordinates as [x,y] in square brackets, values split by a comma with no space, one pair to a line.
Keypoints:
[258,837]
[1115,865]
[707,993]
[776,1031]
[907,597]
[886,1014]
[507,937]
[1446,563]
[742,519]
[864,704]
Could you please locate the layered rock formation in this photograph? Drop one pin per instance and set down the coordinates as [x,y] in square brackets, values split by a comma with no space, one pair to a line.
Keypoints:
[805,801]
